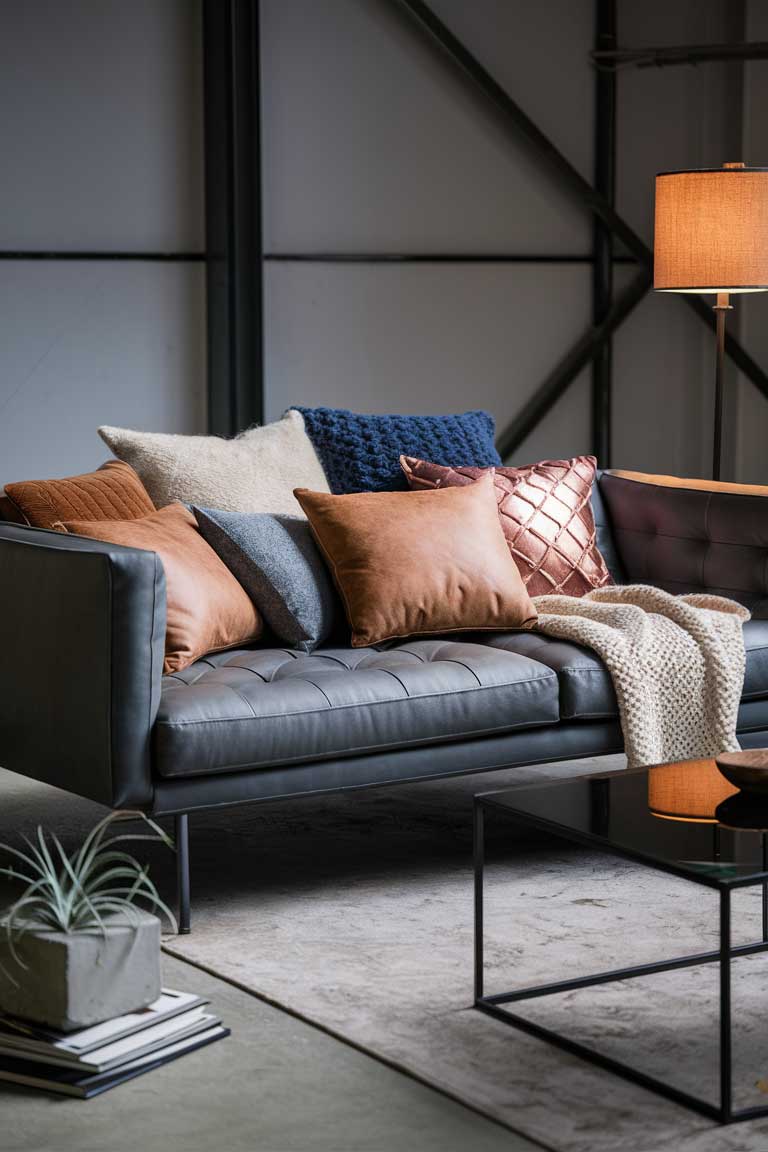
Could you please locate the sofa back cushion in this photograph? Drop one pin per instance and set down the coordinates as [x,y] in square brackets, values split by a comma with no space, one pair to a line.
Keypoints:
[691,535]
[409,563]
[113,492]
[206,608]
[361,452]
[604,533]
[545,512]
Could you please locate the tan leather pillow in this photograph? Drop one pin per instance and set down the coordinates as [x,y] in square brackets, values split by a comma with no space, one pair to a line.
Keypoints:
[410,563]
[114,492]
[207,610]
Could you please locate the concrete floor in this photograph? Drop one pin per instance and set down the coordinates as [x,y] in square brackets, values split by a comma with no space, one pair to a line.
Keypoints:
[276,1085]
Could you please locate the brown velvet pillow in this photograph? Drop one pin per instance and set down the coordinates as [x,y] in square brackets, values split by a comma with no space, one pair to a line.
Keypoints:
[546,513]
[410,563]
[114,492]
[207,610]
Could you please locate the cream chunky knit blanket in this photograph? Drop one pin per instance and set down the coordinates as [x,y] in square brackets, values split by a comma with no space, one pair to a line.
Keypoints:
[677,664]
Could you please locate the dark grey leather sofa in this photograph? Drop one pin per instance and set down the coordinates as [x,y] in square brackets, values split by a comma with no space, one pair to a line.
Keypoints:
[85,705]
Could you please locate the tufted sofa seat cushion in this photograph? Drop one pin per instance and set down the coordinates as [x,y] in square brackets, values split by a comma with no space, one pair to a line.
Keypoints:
[259,707]
[586,691]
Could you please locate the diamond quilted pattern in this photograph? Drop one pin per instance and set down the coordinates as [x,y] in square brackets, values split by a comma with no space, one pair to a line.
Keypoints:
[546,514]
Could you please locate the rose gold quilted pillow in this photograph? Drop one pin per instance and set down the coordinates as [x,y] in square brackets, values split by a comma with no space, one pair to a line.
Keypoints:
[546,515]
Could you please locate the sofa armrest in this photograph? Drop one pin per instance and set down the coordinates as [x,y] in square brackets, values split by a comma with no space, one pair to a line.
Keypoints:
[691,535]
[82,633]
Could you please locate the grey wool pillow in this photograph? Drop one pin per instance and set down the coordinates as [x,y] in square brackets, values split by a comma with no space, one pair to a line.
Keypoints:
[276,560]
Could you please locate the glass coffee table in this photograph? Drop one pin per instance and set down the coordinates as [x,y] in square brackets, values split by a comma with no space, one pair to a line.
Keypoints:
[684,819]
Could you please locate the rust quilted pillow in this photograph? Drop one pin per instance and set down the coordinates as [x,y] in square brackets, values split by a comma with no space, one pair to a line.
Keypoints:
[546,514]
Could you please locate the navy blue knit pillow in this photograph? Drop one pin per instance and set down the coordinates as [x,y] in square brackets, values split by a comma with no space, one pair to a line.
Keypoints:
[362,453]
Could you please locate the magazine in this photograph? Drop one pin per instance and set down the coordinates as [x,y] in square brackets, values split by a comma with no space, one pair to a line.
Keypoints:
[119,1052]
[38,1038]
[72,1082]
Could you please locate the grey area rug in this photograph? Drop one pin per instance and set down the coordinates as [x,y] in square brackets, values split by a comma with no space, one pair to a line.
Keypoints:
[355,912]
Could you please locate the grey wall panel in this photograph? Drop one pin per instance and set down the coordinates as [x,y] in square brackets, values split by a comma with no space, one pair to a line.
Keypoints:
[85,344]
[663,390]
[423,338]
[101,124]
[565,430]
[540,54]
[670,118]
[372,144]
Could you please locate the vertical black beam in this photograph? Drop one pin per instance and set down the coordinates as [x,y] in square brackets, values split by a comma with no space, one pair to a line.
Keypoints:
[233,214]
[602,239]
[728,386]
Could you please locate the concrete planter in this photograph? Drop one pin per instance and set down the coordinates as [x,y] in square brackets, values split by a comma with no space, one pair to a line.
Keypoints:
[75,979]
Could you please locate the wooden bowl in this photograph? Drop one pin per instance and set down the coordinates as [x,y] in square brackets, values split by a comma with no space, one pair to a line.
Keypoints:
[747,770]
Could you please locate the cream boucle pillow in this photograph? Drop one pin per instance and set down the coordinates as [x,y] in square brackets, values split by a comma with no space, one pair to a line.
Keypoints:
[254,472]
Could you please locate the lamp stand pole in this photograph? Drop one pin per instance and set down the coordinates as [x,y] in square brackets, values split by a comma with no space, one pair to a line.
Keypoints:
[720,308]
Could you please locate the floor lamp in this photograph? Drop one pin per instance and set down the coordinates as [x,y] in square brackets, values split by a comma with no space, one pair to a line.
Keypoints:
[712,236]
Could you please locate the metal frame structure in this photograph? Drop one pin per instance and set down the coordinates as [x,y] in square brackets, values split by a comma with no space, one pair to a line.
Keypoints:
[234,240]
[495,1005]
[234,252]
[234,280]
[610,58]
[591,343]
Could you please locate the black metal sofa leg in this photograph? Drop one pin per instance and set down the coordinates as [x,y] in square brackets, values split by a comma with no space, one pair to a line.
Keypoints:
[182,871]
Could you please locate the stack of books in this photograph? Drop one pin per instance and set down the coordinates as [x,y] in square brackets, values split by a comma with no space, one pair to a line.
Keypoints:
[98,1058]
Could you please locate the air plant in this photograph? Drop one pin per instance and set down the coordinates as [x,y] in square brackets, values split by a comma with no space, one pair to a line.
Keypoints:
[74,893]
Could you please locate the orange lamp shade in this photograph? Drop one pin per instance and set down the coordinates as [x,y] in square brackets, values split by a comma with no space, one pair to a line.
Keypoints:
[711,231]
[689,791]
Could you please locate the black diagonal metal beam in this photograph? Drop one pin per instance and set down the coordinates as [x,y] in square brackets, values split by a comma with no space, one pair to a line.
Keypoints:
[566,371]
[520,126]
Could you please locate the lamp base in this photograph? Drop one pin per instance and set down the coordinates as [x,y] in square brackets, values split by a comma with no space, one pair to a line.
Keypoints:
[721,307]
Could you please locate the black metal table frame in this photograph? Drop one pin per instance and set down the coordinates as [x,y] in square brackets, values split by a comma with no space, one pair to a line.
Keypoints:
[723,1112]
